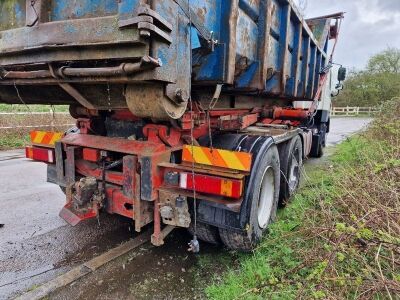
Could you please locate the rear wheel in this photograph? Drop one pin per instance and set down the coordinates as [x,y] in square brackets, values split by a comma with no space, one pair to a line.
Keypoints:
[291,158]
[317,150]
[263,196]
[206,233]
[63,189]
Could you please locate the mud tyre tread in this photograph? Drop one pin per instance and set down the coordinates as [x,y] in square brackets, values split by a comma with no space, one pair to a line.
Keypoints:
[247,240]
[206,233]
[285,153]
[236,240]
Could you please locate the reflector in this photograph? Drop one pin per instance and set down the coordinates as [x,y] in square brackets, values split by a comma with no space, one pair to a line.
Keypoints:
[46,138]
[40,154]
[230,188]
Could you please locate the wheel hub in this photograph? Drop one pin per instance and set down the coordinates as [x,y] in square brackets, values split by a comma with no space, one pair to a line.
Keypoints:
[266,198]
[294,173]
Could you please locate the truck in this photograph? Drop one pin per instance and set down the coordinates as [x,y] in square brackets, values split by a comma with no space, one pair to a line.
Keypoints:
[194,114]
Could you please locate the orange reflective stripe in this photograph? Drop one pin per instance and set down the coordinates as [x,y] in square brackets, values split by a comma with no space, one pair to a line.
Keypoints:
[56,137]
[29,152]
[33,135]
[244,159]
[216,157]
[226,187]
[45,137]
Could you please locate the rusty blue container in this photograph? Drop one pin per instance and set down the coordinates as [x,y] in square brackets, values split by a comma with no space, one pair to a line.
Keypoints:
[150,56]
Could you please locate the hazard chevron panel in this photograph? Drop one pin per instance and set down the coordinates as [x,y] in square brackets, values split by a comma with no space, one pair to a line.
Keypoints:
[45,138]
[240,161]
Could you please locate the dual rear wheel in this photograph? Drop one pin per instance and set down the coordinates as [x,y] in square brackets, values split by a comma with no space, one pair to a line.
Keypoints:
[272,183]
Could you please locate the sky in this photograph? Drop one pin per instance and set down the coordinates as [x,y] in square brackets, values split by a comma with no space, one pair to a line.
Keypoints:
[369,27]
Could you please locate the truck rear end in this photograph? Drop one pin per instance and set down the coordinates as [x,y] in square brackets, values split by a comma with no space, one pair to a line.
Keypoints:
[193,114]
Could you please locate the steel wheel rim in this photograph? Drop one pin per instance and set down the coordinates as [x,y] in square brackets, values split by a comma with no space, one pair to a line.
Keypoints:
[294,173]
[266,198]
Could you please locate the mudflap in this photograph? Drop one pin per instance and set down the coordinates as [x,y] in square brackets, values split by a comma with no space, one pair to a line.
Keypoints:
[73,217]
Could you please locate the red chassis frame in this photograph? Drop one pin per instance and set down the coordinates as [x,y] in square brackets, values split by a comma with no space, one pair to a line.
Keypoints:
[133,190]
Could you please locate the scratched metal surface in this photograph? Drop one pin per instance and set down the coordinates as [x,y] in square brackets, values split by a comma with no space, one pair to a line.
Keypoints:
[264,46]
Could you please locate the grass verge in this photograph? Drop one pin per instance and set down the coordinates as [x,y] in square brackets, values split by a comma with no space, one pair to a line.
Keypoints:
[15,140]
[14,108]
[15,128]
[340,237]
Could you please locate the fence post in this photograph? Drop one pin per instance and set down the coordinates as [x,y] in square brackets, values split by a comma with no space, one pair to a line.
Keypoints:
[52,118]
[348,111]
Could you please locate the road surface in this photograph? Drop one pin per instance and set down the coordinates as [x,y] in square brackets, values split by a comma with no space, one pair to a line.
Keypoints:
[36,245]
[342,128]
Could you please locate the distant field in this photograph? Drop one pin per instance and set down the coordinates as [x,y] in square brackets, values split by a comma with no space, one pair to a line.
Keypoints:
[32,108]
[13,131]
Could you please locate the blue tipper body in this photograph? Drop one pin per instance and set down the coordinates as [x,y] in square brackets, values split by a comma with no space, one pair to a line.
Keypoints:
[261,47]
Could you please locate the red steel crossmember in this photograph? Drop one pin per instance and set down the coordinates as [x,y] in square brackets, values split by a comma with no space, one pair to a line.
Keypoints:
[125,189]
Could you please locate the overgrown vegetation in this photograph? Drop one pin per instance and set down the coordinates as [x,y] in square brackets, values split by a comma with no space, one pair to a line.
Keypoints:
[340,237]
[13,131]
[32,108]
[379,82]
[13,140]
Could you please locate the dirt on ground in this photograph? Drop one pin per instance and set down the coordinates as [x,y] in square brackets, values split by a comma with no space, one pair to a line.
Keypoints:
[168,272]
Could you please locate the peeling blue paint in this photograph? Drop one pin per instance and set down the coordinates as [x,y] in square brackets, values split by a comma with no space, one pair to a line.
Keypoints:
[69,28]
[195,41]
[240,57]
[19,13]
[64,10]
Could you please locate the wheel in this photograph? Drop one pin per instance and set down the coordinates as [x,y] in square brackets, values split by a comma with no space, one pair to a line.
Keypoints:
[63,189]
[206,233]
[263,197]
[317,150]
[291,158]
[319,142]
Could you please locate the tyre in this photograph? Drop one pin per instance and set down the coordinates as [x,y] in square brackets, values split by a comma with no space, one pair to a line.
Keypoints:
[263,197]
[317,150]
[319,141]
[63,189]
[206,233]
[291,158]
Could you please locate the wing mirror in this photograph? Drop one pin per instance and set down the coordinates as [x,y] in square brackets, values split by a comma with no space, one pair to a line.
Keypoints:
[342,72]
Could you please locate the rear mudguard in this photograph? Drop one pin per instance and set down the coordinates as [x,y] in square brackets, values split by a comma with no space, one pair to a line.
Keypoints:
[214,214]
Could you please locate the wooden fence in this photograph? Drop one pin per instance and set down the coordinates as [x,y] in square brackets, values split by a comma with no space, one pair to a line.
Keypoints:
[27,121]
[354,111]
[23,121]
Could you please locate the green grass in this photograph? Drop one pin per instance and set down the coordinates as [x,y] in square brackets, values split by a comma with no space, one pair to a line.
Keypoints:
[13,141]
[32,108]
[19,138]
[340,236]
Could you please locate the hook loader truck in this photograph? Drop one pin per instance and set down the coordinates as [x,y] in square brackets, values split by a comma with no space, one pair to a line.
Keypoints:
[194,114]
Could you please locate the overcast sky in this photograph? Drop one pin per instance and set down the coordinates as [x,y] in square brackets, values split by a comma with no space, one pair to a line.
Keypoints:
[369,27]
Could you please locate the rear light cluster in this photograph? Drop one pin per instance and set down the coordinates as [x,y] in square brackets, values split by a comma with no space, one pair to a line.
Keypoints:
[40,154]
[212,185]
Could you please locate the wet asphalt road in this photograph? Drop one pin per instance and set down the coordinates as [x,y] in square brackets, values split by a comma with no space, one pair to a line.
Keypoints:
[36,245]
[342,128]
